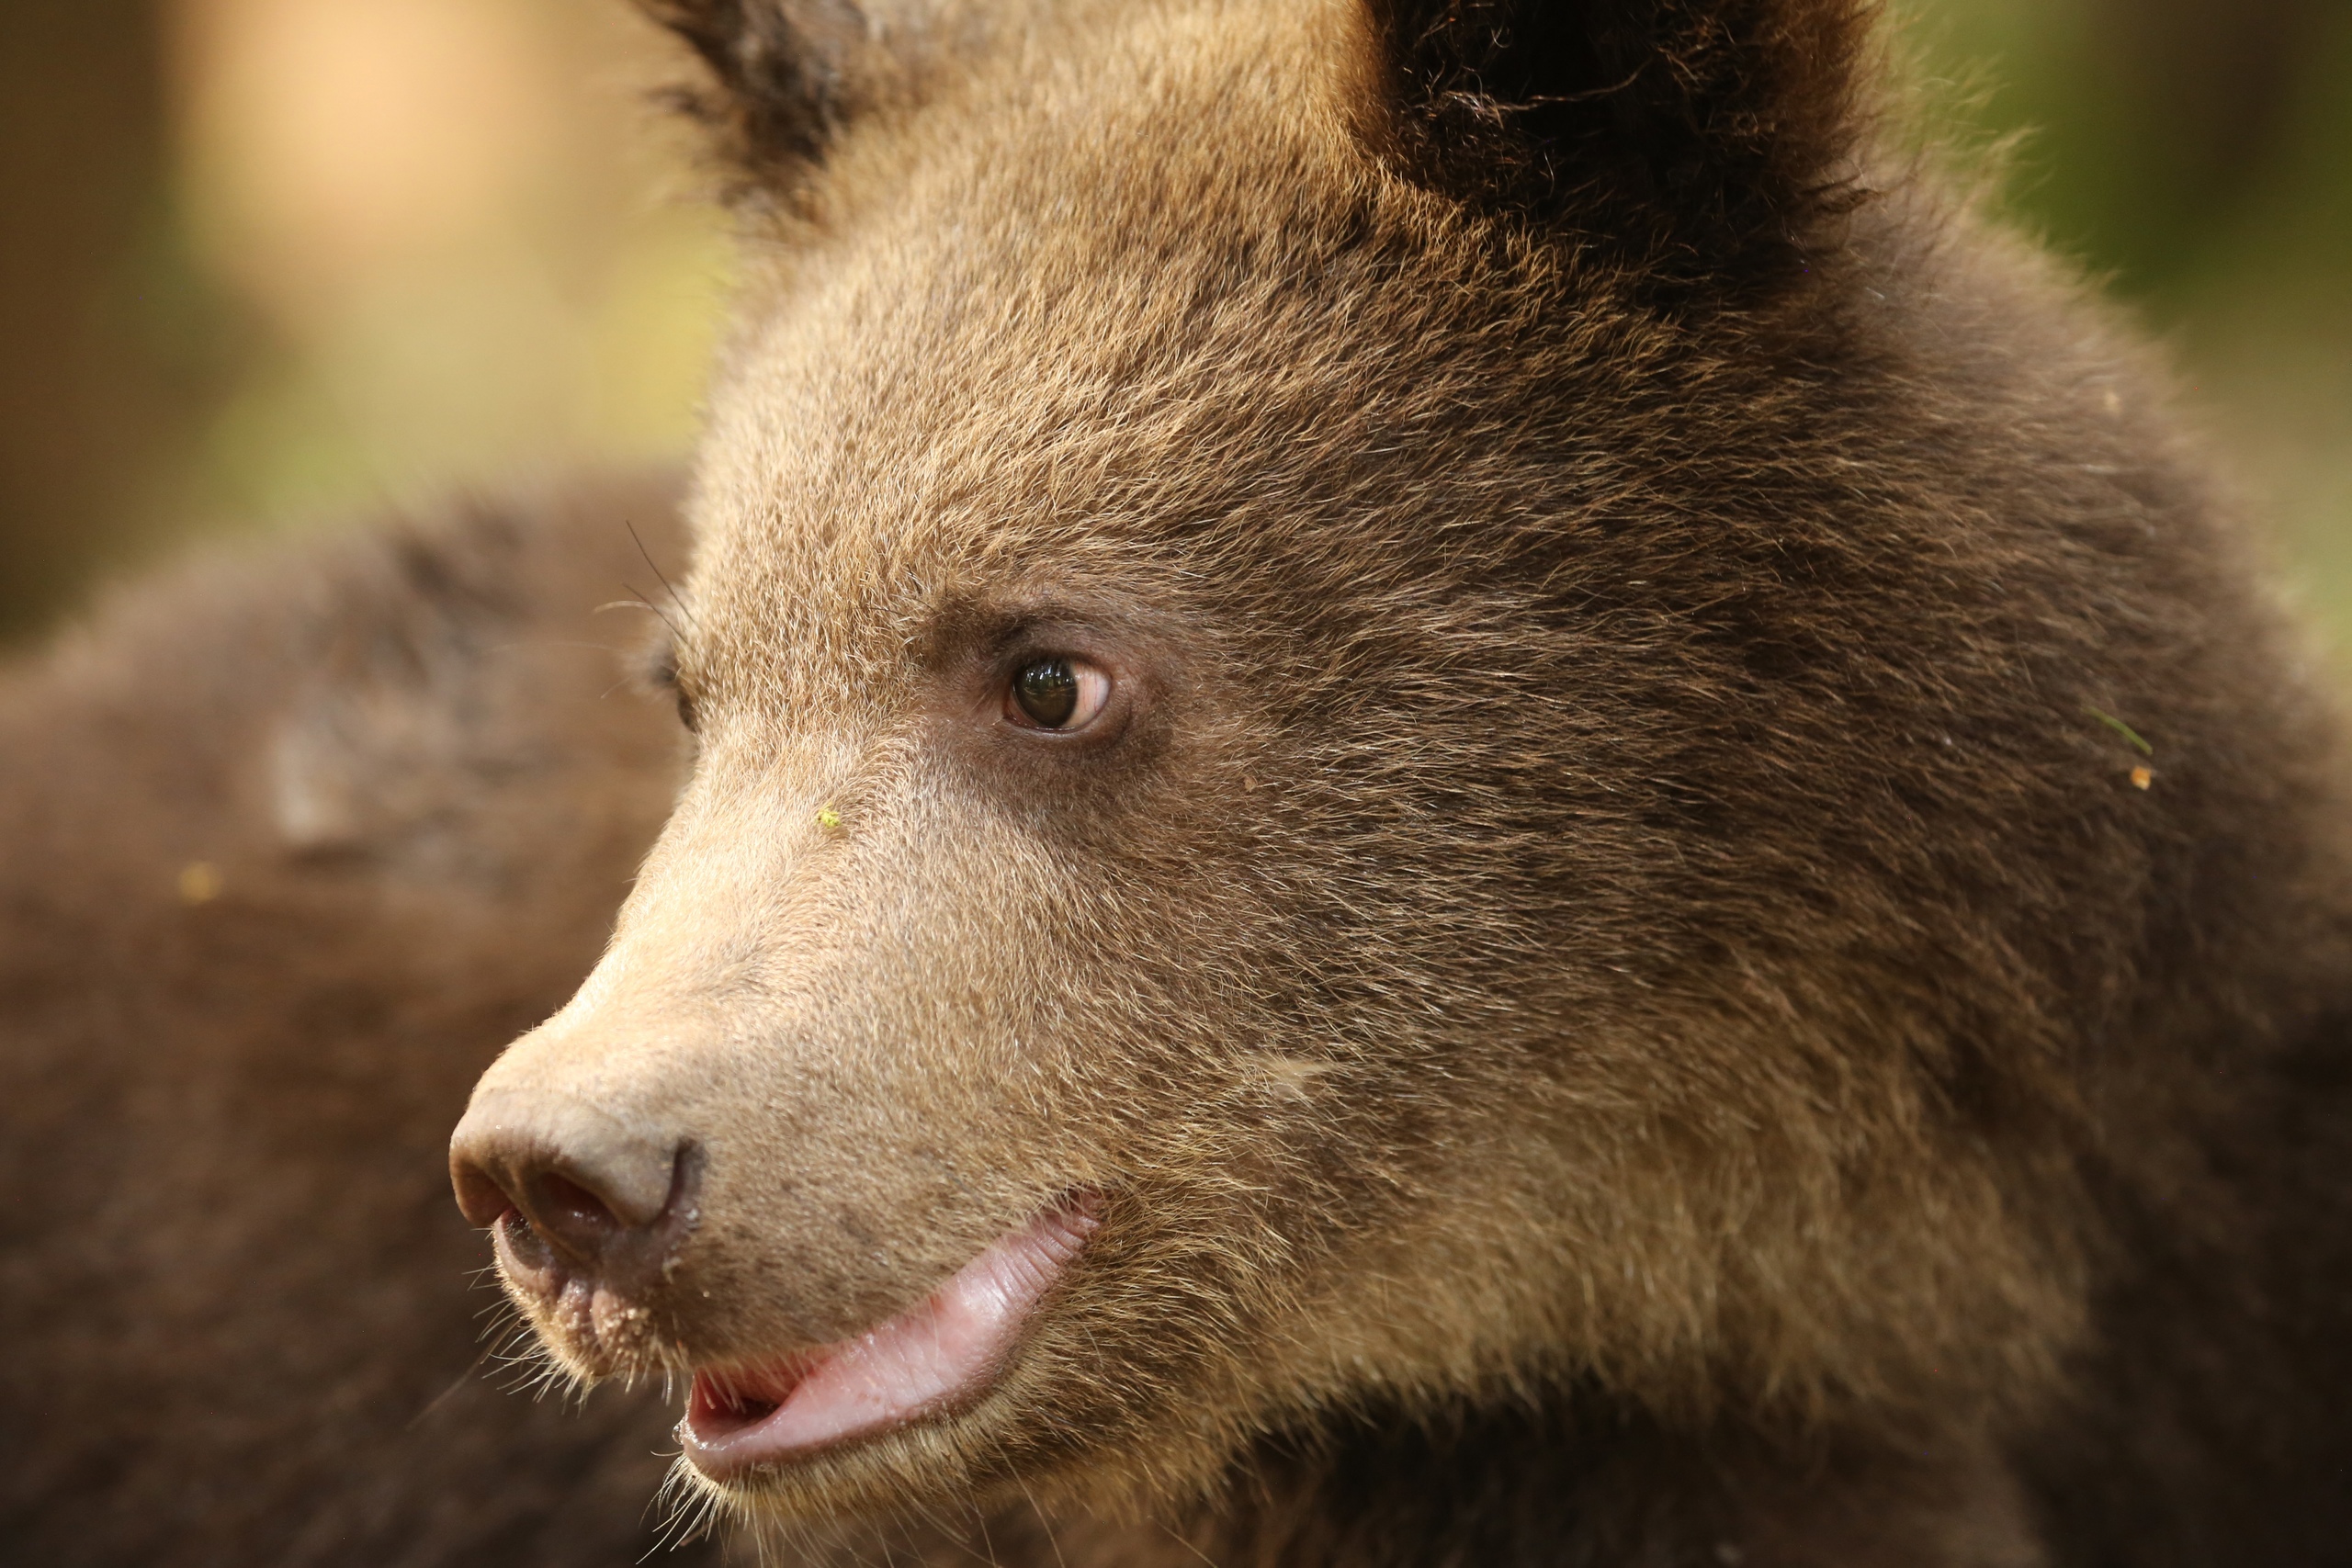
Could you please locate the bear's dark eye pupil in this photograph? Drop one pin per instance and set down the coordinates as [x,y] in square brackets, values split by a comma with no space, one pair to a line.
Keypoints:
[1047,692]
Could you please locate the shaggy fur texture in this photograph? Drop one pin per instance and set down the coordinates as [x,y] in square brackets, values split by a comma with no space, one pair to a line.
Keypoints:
[1710,925]
[293,843]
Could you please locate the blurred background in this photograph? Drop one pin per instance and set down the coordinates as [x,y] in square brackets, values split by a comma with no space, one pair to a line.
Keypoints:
[268,262]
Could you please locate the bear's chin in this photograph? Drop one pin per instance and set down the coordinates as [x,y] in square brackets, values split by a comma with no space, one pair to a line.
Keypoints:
[938,1355]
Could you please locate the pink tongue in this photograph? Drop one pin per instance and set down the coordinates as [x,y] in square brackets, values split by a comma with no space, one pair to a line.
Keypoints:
[915,1361]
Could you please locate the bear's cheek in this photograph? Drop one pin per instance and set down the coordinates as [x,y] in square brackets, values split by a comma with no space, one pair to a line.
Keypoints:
[858,1034]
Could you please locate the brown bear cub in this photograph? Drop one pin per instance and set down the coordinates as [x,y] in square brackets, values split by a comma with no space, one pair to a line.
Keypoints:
[1462,796]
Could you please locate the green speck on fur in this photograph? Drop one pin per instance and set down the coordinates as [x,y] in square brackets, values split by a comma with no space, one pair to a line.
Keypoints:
[2121,729]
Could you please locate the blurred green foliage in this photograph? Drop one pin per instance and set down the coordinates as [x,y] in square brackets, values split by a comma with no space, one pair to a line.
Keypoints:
[2197,154]
[269,261]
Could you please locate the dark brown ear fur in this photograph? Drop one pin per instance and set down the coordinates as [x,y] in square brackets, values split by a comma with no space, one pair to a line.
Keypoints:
[1692,142]
[1692,138]
[780,78]
[772,100]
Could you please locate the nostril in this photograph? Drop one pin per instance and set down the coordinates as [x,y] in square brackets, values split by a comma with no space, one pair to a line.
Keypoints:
[572,1186]
[480,1196]
[570,1215]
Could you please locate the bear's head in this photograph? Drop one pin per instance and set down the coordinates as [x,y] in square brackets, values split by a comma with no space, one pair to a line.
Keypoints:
[1386,714]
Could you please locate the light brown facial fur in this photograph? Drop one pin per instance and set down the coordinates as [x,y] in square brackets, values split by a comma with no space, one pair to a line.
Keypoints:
[1611,878]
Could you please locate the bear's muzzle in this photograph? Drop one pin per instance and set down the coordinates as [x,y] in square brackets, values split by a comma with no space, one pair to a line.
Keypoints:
[580,1201]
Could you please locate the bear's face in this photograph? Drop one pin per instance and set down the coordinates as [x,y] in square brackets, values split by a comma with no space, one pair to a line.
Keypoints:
[1068,880]
[1168,928]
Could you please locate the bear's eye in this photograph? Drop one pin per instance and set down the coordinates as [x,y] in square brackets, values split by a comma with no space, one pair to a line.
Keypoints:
[661,674]
[1057,693]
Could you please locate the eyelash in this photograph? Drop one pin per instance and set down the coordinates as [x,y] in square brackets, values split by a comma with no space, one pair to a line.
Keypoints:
[663,676]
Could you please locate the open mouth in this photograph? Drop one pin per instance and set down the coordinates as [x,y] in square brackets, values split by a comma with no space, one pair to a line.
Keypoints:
[934,1355]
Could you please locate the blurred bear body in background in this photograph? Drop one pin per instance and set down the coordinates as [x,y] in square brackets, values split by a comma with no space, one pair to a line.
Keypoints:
[294,841]
[1461,794]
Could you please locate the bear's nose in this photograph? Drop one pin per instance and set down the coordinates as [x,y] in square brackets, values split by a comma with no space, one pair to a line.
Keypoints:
[597,1186]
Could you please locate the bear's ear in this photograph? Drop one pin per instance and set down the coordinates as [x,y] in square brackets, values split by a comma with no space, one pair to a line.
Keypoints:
[1692,139]
[781,77]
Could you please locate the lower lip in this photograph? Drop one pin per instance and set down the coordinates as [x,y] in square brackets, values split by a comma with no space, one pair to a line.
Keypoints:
[937,1355]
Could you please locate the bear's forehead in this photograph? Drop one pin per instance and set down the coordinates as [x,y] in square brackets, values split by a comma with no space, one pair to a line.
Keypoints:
[1127,335]
[1070,431]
